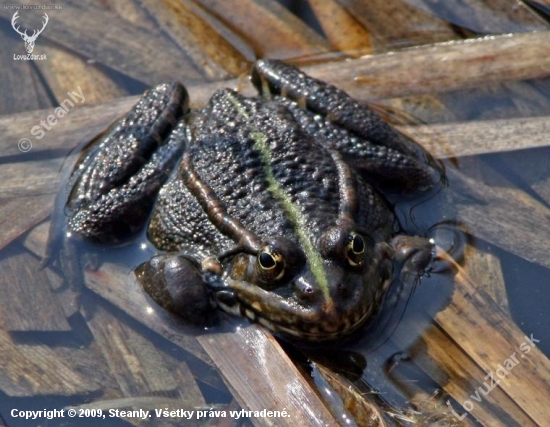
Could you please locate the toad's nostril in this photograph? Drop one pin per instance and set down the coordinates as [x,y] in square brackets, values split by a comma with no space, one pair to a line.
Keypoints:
[343,290]
[306,292]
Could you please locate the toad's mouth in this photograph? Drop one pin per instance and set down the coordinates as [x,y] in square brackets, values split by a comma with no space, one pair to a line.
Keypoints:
[284,317]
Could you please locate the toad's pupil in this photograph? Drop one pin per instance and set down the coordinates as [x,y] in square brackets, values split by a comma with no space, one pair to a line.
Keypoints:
[267,261]
[358,245]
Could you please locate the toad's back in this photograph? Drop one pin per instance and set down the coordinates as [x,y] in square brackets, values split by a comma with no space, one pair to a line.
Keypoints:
[267,173]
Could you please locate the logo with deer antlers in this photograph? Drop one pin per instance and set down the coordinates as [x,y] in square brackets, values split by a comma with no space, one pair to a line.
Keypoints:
[29,40]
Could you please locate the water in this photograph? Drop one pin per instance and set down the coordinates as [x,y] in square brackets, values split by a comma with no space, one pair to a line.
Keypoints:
[387,345]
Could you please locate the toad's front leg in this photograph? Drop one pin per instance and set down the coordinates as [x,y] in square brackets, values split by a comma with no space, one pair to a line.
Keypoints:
[175,282]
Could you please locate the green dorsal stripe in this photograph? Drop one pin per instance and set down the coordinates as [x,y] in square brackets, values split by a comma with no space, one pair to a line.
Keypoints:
[294,215]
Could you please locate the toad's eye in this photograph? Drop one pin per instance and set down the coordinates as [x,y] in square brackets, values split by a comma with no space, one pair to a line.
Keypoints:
[355,249]
[271,265]
[267,261]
